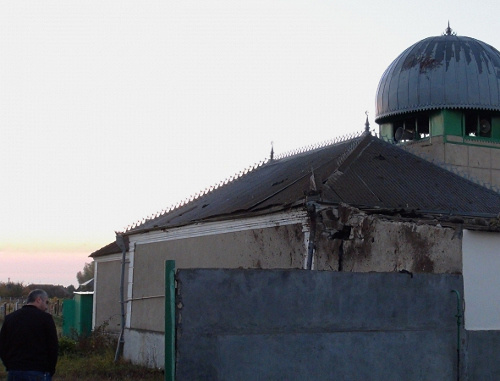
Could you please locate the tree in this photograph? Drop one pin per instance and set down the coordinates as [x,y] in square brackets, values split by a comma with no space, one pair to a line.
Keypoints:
[11,289]
[86,274]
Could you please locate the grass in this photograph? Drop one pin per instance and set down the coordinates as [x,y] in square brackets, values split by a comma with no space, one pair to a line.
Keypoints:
[98,367]
[101,367]
[92,359]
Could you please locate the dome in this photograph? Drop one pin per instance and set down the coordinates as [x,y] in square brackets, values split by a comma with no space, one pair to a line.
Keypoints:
[447,71]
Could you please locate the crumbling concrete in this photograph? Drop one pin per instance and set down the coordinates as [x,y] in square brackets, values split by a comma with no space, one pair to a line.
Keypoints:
[352,240]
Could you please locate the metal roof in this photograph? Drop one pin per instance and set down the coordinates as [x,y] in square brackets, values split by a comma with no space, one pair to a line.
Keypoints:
[364,171]
[111,248]
[447,71]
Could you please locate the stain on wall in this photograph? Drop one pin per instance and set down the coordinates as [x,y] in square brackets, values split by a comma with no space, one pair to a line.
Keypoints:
[277,248]
[376,243]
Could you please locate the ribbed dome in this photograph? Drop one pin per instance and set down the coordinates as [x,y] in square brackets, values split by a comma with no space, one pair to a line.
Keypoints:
[447,71]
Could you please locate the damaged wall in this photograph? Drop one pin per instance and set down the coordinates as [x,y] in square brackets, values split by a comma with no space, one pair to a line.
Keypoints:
[354,241]
[345,240]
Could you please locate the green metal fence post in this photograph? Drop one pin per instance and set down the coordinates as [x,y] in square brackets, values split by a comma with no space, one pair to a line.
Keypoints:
[169,320]
[459,317]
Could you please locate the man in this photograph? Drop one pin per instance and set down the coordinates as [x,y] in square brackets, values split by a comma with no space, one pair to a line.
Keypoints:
[28,341]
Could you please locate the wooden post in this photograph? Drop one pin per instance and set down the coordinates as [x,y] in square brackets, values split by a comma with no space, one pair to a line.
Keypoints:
[169,320]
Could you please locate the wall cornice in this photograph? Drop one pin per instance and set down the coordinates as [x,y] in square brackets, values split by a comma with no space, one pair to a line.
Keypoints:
[220,227]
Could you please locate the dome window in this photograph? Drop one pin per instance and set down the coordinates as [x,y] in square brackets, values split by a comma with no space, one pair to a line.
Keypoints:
[477,124]
[411,128]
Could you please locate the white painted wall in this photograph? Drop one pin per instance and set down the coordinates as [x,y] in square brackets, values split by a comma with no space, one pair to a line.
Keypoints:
[144,348]
[481,272]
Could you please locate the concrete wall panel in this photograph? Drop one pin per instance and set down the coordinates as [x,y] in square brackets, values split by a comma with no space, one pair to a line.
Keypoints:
[296,325]
[481,163]
[337,356]
[495,158]
[495,178]
[428,148]
[480,157]
[457,154]
[482,353]
[481,174]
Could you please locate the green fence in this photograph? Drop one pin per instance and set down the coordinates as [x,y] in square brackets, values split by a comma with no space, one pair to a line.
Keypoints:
[77,315]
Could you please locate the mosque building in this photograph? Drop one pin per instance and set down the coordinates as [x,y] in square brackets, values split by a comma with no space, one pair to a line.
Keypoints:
[374,232]
[440,98]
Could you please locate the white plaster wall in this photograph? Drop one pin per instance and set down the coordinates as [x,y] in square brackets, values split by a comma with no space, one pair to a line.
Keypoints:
[276,247]
[481,272]
[144,348]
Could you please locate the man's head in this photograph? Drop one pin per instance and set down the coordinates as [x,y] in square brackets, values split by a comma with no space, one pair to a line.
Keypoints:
[39,299]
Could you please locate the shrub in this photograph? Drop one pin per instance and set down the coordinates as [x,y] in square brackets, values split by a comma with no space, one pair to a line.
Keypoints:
[67,346]
[98,342]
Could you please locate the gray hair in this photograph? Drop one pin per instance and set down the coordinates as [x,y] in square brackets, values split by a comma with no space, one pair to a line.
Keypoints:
[33,295]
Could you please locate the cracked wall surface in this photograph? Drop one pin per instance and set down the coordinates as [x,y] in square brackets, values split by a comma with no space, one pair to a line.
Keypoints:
[354,241]
[345,240]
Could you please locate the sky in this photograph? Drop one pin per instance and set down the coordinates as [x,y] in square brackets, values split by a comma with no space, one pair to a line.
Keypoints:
[111,111]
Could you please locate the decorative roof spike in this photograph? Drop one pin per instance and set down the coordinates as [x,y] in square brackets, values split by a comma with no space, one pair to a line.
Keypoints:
[448,31]
[312,181]
[272,151]
[367,124]
[326,143]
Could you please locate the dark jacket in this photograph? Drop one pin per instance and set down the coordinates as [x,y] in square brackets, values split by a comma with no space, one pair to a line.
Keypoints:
[28,341]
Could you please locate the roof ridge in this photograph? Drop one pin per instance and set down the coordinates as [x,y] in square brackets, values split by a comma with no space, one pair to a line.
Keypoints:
[351,147]
[323,144]
[245,171]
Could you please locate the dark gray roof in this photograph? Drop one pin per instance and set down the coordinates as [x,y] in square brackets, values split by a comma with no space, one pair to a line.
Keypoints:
[365,172]
[111,248]
[447,71]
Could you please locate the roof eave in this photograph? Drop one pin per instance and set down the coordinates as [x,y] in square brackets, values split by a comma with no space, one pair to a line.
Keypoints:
[383,118]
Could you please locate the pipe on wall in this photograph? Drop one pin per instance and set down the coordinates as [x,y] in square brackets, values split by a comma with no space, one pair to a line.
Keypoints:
[122,244]
[311,212]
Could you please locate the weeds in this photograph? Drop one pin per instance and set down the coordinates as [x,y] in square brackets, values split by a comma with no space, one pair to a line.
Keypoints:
[99,341]
[95,367]
[91,358]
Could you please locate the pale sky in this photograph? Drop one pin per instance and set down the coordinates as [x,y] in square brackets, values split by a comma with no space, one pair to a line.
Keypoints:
[111,111]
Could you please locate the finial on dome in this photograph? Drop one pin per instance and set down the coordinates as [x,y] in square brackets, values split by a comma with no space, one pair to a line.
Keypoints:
[448,31]
[367,123]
